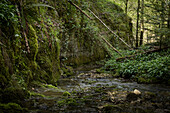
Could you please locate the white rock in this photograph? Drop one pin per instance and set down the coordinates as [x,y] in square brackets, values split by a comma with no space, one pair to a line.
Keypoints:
[137,92]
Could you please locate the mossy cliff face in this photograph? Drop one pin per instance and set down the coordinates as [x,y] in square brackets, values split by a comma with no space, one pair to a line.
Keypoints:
[81,43]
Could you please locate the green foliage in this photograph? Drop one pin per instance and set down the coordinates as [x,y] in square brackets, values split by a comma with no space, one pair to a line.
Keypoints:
[153,66]
[7,13]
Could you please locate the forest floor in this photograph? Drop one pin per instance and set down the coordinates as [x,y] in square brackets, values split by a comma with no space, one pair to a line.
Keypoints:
[91,92]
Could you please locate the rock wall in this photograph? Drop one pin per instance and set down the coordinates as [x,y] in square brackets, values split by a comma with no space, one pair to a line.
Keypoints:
[40,39]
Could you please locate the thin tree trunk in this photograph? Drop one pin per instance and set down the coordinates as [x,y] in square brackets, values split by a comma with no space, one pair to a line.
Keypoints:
[142,23]
[126,6]
[162,23]
[168,16]
[127,22]
[137,23]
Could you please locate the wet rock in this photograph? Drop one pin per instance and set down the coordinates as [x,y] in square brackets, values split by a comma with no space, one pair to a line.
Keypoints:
[148,95]
[132,96]
[137,92]
[43,106]
[111,109]
[159,111]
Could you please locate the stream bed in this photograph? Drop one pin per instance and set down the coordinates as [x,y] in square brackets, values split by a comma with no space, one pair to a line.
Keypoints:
[92,92]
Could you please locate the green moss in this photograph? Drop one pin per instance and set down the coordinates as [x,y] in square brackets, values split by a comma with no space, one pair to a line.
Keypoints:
[12,108]
[33,42]
[66,93]
[49,86]
[15,95]
[3,81]
[108,108]
[34,94]
[147,80]
[67,71]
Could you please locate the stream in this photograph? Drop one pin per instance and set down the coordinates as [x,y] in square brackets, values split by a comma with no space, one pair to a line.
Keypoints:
[92,92]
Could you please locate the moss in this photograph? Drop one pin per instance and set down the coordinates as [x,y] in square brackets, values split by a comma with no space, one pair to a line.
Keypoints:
[34,94]
[100,70]
[143,80]
[12,108]
[66,93]
[33,42]
[50,86]
[147,80]
[15,95]
[67,71]
[111,108]
[3,81]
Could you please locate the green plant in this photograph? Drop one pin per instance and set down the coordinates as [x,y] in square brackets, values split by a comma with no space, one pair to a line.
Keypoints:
[154,67]
[7,13]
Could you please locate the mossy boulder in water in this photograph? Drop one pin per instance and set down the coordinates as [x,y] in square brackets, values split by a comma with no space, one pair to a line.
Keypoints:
[111,109]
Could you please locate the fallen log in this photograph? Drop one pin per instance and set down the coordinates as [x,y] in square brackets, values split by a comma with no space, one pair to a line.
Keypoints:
[110,45]
[101,21]
[108,28]
[147,52]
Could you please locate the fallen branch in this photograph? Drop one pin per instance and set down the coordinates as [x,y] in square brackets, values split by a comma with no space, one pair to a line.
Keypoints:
[109,28]
[111,45]
[147,52]
[79,9]
[100,35]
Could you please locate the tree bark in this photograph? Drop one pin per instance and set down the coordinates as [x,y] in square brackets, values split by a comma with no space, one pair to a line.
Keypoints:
[142,23]
[137,23]
[162,23]
[168,15]
[126,6]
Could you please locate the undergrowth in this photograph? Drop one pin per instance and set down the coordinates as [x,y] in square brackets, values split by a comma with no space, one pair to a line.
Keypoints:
[144,68]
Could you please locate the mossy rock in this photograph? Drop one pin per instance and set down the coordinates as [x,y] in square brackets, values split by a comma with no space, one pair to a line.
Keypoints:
[66,93]
[143,80]
[15,95]
[149,95]
[147,80]
[67,71]
[111,109]
[3,81]
[11,108]
[132,96]
[168,82]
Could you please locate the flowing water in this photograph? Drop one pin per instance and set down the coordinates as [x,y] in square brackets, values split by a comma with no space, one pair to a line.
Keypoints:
[91,92]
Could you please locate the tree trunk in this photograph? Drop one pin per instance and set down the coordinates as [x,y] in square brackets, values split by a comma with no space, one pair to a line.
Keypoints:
[142,23]
[168,15]
[126,7]
[162,23]
[137,23]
